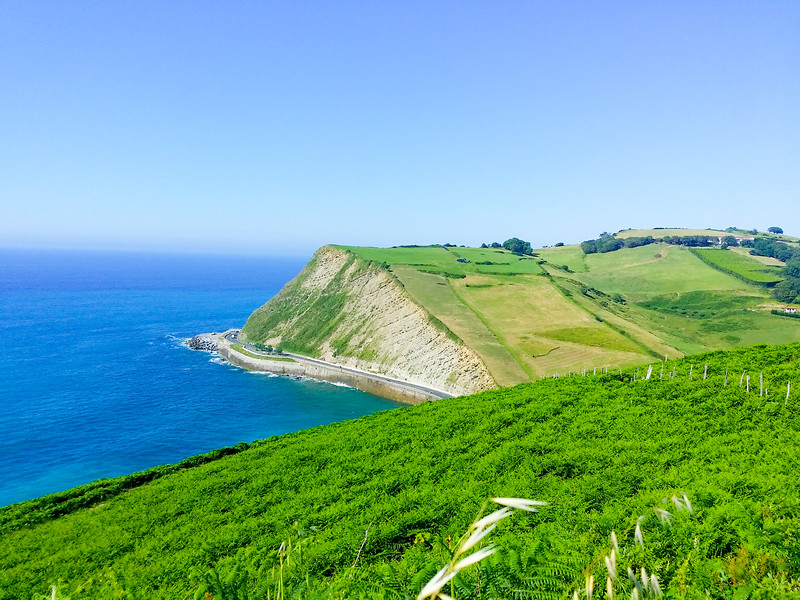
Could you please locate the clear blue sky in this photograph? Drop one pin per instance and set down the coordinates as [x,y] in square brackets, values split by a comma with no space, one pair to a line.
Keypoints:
[276,127]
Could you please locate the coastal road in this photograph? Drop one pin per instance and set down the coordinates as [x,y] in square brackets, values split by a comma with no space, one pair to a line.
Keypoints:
[233,337]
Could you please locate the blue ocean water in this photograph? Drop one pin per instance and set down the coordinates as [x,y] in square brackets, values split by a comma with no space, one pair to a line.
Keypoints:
[95,381]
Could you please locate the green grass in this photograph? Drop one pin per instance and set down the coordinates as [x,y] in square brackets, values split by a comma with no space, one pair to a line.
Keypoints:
[740,265]
[572,311]
[600,450]
[531,316]
[658,233]
[640,272]
[436,294]
[441,261]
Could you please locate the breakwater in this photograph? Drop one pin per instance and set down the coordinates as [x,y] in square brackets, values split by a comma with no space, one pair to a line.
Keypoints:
[384,387]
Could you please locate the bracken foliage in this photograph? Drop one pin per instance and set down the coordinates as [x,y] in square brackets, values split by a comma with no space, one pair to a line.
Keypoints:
[372,508]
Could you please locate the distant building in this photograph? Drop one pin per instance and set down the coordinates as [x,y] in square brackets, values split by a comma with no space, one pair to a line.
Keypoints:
[789,309]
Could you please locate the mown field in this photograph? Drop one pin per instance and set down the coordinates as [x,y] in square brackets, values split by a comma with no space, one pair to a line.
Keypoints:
[564,311]
[658,233]
[740,265]
[371,508]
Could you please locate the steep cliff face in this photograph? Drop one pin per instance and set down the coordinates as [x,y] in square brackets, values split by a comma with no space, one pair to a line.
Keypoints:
[355,313]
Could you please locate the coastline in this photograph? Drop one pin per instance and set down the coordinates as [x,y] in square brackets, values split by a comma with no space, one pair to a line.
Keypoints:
[303,366]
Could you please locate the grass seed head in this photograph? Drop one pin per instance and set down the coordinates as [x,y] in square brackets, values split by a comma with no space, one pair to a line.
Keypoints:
[637,534]
[610,589]
[611,564]
[437,582]
[589,586]
[475,558]
[496,516]
[474,538]
[654,587]
[519,503]
[663,515]
[614,543]
[688,504]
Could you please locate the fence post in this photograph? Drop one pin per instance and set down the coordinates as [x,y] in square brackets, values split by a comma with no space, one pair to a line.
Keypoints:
[705,372]
[760,384]
[788,387]
[748,384]
[726,377]
[691,368]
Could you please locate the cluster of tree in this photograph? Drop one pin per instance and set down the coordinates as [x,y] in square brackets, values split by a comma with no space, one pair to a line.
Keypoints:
[515,245]
[608,243]
[518,246]
[787,290]
[692,241]
[783,252]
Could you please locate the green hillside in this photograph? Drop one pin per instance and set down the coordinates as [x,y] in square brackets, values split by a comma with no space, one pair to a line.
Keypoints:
[601,450]
[562,310]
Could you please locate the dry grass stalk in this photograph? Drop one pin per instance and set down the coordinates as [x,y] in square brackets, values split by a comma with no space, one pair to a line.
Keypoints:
[479,529]
[637,534]
[663,515]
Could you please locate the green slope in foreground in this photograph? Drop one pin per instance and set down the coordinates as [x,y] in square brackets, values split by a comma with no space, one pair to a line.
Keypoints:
[564,311]
[601,450]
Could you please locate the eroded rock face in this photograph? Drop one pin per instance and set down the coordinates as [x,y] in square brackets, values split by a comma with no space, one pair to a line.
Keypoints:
[377,326]
[206,342]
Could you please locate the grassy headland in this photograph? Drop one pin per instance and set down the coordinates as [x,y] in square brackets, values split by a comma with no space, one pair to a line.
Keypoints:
[561,310]
[601,450]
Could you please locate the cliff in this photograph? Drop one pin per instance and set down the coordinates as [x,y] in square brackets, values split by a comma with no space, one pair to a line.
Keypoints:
[355,313]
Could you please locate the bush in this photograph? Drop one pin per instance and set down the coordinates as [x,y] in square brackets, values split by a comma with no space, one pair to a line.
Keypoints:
[518,246]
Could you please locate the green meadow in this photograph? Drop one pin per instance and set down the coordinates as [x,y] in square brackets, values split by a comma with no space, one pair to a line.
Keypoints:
[740,265]
[562,311]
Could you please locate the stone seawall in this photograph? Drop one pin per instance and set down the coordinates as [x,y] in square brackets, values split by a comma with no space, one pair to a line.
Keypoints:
[377,385]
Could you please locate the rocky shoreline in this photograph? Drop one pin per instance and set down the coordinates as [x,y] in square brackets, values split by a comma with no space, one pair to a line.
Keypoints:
[299,366]
[207,342]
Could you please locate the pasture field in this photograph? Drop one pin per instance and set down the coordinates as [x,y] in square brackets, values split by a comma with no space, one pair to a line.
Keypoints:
[436,294]
[741,265]
[764,260]
[638,273]
[565,311]
[658,233]
[546,331]
[445,261]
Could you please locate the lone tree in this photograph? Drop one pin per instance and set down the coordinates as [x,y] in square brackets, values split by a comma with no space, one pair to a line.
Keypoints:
[518,246]
[775,230]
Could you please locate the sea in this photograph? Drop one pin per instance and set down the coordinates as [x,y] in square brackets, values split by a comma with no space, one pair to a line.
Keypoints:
[96,380]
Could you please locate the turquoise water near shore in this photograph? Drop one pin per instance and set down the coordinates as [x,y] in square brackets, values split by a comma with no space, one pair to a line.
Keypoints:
[95,380]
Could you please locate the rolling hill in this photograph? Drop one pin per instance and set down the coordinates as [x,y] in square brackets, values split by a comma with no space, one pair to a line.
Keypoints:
[526,317]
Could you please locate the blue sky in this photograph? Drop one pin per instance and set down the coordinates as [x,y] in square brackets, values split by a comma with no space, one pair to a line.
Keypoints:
[276,127]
